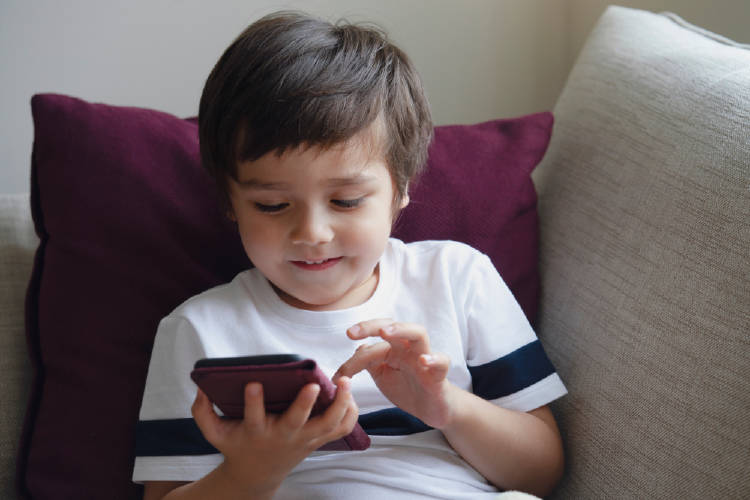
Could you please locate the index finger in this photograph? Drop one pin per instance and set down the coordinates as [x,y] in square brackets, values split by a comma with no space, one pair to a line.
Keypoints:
[369,328]
[365,357]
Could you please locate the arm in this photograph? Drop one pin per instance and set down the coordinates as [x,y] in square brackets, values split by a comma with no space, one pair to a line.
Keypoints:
[513,450]
[260,449]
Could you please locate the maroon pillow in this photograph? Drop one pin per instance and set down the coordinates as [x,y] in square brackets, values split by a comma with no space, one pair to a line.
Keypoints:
[130,226]
[477,189]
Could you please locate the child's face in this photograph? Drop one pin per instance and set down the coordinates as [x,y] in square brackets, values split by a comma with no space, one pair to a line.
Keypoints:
[316,222]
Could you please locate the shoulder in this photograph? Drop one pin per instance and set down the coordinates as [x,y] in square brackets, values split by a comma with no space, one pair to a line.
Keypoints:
[220,299]
[193,327]
[440,268]
[453,251]
[445,257]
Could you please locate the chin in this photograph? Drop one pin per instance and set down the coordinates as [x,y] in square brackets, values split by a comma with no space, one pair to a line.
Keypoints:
[322,301]
[310,302]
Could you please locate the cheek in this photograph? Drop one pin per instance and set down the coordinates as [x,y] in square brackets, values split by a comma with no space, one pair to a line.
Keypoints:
[373,233]
[257,238]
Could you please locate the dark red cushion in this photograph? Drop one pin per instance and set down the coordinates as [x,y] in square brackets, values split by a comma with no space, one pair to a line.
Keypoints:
[130,226]
[477,189]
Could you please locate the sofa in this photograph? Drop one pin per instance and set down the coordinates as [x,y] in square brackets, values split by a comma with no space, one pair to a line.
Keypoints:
[644,262]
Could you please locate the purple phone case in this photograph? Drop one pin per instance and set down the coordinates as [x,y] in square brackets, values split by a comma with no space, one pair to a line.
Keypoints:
[225,385]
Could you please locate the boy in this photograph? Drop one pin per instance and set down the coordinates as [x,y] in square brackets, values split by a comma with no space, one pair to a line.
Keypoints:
[312,132]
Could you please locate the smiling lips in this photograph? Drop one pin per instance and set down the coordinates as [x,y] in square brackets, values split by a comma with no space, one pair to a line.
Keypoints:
[319,265]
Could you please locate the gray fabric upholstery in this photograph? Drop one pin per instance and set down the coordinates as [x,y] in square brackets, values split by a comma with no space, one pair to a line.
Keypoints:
[17,245]
[645,240]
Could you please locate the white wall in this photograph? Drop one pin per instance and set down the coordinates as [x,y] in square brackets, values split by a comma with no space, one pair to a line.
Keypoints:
[479,59]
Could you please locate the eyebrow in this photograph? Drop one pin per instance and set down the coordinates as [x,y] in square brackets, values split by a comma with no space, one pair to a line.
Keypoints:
[351,181]
[266,186]
[333,182]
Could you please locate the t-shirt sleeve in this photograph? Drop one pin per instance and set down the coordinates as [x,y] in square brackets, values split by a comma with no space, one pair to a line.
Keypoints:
[507,363]
[169,446]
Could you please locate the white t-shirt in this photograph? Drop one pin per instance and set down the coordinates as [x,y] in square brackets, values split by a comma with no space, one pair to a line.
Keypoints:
[450,288]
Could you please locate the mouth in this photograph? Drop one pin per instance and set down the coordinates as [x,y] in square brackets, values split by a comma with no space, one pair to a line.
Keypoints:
[316,265]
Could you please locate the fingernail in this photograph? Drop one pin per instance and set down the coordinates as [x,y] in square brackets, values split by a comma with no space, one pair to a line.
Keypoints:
[389,329]
[355,330]
[253,389]
[428,358]
[344,382]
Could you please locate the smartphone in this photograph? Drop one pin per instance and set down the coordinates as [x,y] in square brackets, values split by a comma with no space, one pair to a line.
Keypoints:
[282,375]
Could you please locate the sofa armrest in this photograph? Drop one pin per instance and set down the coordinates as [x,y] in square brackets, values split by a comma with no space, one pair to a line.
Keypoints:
[17,245]
[644,200]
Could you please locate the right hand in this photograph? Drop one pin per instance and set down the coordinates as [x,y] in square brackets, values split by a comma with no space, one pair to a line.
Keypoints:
[262,448]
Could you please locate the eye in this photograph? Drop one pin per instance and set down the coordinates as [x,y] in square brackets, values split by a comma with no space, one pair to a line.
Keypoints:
[271,208]
[347,203]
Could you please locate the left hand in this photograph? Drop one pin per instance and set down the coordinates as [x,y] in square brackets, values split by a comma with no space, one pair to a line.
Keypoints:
[404,368]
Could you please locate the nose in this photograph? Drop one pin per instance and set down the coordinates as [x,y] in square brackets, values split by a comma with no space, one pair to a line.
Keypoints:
[311,227]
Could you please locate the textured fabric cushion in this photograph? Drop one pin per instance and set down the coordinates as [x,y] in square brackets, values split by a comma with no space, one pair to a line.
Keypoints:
[130,227]
[644,200]
[17,245]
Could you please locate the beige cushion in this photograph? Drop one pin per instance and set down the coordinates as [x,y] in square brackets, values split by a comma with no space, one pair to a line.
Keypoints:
[645,228]
[17,245]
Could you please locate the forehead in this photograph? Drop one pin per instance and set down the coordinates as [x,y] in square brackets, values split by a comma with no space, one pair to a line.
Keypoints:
[353,160]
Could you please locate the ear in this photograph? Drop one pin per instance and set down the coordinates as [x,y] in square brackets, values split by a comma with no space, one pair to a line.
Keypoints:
[404,201]
[230,215]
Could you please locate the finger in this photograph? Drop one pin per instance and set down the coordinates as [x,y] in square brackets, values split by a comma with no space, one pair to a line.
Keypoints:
[344,427]
[205,417]
[350,418]
[335,412]
[342,401]
[299,411]
[350,415]
[339,419]
[365,357]
[410,336]
[255,410]
[370,328]
[436,365]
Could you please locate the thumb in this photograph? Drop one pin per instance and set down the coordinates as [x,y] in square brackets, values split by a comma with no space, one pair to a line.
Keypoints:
[436,365]
[206,418]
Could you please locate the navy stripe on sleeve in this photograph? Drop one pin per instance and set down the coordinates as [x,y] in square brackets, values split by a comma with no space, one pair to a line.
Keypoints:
[513,372]
[391,422]
[169,438]
[181,436]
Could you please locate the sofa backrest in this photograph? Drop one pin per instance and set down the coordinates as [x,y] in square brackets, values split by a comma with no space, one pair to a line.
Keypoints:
[645,240]
[17,245]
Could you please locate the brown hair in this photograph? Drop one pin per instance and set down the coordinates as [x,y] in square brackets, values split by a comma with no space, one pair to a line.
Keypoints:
[290,79]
